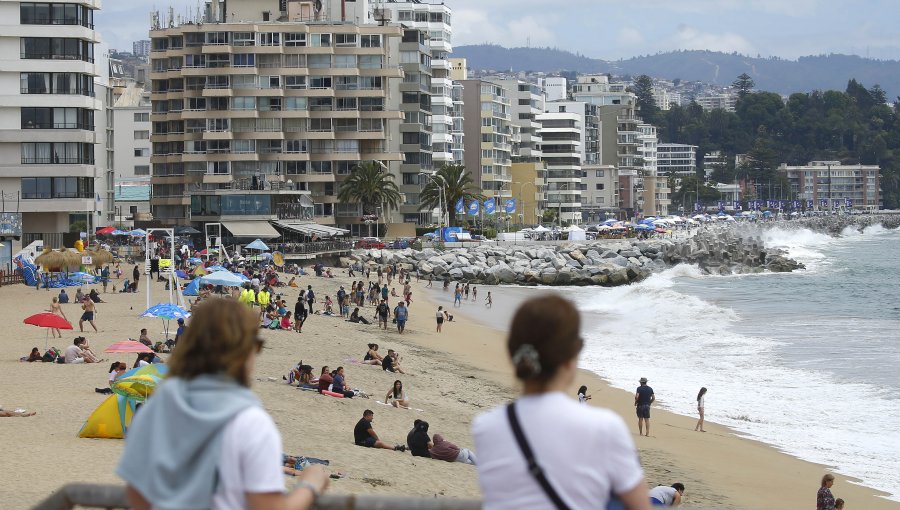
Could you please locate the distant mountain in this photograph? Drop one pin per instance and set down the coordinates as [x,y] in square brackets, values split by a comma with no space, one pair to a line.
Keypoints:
[823,72]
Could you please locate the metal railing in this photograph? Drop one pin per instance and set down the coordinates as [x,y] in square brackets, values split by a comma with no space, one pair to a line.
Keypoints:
[113,496]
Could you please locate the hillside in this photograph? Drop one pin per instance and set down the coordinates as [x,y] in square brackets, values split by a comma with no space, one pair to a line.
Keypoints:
[821,72]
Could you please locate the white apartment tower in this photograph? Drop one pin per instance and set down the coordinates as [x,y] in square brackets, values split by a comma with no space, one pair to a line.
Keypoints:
[48,172]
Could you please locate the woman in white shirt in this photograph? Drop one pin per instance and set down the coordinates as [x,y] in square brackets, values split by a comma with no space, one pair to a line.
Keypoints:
[701,397]
[228,452]
[585,453]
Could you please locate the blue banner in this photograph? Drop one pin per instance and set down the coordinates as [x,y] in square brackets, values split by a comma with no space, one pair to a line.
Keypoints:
[737,206]
[510,205]
[721,205]
[460,207]
[836,203]
[809,204]
[490,205]
[473,207]
[823,203]
[848,203]
[697,206]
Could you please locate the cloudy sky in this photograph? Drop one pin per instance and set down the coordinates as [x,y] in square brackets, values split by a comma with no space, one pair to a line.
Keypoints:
[613,29]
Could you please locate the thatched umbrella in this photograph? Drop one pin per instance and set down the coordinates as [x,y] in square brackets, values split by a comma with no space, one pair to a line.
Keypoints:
[99,256]
[51,259]
[71,258]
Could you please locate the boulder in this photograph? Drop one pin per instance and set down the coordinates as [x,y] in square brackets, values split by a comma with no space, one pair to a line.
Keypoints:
[548,276]
[619,277]
[455,273]
[426,268]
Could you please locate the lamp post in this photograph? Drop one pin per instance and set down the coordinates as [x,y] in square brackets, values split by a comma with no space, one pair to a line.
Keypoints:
[441,202]
[521,186]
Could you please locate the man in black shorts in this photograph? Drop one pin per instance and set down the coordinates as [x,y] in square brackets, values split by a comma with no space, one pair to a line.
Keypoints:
[643,397]
[383,311]
[364,434]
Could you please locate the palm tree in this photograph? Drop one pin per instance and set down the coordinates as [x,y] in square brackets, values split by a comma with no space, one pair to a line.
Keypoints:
[456,182]
[368,185]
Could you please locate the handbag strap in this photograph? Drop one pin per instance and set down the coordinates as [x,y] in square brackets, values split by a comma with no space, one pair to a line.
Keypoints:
[533,467]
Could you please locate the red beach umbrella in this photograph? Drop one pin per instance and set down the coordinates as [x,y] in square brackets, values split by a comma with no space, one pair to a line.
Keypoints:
[106,230]
[127,346]
[47,320]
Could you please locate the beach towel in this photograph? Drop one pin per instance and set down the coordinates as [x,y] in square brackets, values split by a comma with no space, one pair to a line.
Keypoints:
[390,405]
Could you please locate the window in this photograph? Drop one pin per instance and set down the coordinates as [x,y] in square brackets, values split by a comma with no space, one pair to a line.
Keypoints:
[270,104]
[57,83]
[270,82]
[269,39]
[141,153]
[319,40]
[319,61]
[345,61]
[142,117]
[405,16]
[242,39]
[370,41]
[244,81]
[60,153]
[320,82]
[370,61]
[293,61]
[244,146]
[295,103]
[56,48]
[34,13]
[218,38]
[142,135]
[599,174]
[345,40]
[600,187]
[57,118]
[195,61]
[141,169]
[296,146]
[243,103]
[294,82]
[294,39]
[244,60]
[195,104]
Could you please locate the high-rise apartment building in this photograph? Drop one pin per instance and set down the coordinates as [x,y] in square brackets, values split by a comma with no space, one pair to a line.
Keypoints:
[655,199]
[528,170]
[259,121]
[141,48]
[838,185]
[488,136]
[676,159]
[48,171]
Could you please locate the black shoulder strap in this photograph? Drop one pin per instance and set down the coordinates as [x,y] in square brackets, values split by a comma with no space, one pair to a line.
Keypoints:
[533,467]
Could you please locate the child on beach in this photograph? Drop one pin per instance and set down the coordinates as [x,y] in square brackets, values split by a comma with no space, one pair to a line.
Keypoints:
[488,301]
[701,397]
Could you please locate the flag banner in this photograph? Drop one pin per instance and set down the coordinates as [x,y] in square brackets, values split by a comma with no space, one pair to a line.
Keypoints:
[697,206]
[490,205]
[848,203]
[823,203]
[836,203]
[721,205]
[474,207]
[510,205]
[737,206]
[809,204]
[460,207]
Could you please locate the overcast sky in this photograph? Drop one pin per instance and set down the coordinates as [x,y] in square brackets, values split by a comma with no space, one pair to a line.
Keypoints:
[612,29]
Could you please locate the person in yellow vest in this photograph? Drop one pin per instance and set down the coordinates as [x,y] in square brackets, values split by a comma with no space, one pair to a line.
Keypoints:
[248,297]
[263,299]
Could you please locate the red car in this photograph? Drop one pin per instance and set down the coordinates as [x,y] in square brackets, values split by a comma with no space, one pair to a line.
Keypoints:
[369,243]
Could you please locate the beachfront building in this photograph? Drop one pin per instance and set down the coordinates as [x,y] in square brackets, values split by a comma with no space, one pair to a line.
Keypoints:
[714,161]
[260,121]
[141,48]
[655,199]
[49,177]
[717,101]
[129,140]
[841,186]
[676,159]
[488,136]
[599,193]
[555,88]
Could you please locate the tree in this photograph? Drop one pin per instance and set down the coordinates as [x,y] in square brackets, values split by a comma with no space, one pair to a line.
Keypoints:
[686,193]
[646,103]
[456,183]
[744,85]
[370,185]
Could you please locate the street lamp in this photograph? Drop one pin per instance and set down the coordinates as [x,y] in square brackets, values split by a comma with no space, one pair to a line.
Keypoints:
[521,187]
[441,191]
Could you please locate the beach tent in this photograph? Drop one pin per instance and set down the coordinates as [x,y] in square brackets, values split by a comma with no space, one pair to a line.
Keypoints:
[193,288]
[540,229]
[110,420]
[576,233]
[257,245]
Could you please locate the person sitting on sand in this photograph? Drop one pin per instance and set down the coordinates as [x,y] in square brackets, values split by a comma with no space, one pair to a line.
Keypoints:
[338,384]
[329,306]
[372,357]
[325,380]
[63,297]
[286,322]
[88,353]
[18,413]
[355,317]
[115,371]
[74,354]
[667,496]
[79,295]
[391,362]
[34,356]
[583,397]
[396,396]
[95,296]
[418,441]
[364,434]
[144,338]
[449,452]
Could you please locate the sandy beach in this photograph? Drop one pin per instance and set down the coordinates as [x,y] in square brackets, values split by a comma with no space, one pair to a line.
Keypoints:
[451,377]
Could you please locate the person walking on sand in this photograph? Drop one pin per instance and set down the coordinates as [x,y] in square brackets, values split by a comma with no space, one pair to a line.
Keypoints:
[541,451]
[457,296]
[135,275]
[643,397]
[824,498]
[439,315]
[488,301]
[400,315]
[474,293]
[701,397]
[89,310]
[56,308]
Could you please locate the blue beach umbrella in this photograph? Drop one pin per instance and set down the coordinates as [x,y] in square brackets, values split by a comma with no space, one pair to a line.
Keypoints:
[224,278]
[213,269]
[166,312]
[257,245]
[118,233]
[137,233]
[194,260]
[181,274]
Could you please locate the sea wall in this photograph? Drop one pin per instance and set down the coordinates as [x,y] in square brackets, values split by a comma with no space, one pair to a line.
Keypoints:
[837,224]
[720,251]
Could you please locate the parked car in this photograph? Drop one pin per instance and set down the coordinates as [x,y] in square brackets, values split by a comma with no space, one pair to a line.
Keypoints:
[370,243]
[401,243]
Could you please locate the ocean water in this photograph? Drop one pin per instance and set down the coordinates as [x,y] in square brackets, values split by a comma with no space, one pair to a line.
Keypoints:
[808,362]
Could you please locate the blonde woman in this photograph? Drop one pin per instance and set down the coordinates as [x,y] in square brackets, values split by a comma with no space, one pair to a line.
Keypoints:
[227,452]
[56,308]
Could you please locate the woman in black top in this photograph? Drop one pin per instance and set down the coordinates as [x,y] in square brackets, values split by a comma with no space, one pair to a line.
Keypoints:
[418,441]
[299,314]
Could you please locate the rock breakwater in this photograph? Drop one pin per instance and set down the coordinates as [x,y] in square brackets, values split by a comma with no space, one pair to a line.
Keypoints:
[602,262]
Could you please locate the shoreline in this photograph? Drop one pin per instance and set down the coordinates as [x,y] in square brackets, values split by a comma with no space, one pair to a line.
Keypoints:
[452,377]
[671,451]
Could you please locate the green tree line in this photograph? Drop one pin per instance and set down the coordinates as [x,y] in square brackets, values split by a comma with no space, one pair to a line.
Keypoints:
[856,126]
